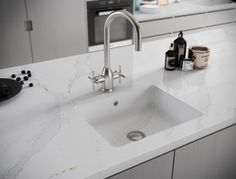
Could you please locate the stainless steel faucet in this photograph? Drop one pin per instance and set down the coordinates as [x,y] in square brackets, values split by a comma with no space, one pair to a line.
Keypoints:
[108,76]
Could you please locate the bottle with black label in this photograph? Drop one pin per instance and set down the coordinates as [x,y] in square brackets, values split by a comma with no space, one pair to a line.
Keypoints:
[180,48]
[170,59]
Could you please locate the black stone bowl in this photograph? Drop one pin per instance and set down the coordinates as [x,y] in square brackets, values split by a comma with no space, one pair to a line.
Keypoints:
[9,88]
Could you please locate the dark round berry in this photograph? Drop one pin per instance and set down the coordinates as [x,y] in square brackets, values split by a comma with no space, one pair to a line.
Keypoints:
[31,85]
[26,78]
[29,75]
[18,79]
[28,72]
[23,72]
[22,82]
[13,75]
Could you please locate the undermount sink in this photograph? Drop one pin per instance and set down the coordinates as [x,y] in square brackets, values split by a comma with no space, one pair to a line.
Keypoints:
[141,110]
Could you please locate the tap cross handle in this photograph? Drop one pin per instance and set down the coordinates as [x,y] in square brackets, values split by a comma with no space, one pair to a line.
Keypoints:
[118,74]
[97,79]
[92,79]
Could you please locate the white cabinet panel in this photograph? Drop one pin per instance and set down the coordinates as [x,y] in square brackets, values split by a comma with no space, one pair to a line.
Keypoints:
[220,17]
[157,27]
[158,168]
[14,40]
[58,28]
[165,26]
[188,22]
[213,157]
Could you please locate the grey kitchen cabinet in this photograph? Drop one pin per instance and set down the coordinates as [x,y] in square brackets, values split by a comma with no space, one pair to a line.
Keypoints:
[221,17]
[157,168]
[189,22]
[213,157]
[156,27]
[14,40]
[159,27]
[166,26]
[59,28]
[172,24]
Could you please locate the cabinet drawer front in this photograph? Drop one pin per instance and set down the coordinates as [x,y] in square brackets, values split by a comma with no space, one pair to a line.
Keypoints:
[158,168]
[59,28]
[14,40]
[189,22]
[212,157]
[220,17]
[157,27]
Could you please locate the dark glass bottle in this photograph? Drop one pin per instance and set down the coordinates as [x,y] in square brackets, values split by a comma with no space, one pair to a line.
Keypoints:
[170,59]
[180,48]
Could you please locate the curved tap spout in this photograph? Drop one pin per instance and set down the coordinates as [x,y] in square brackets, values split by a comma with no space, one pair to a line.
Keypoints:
[108,76]
[138,33]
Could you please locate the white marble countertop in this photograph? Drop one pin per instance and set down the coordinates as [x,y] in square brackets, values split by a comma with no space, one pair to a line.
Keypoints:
[184,7]
[42,138]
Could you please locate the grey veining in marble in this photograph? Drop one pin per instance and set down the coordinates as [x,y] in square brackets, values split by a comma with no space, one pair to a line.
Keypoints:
[41,136]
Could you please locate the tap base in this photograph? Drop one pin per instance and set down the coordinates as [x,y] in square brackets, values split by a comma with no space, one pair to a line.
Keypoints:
[107,90]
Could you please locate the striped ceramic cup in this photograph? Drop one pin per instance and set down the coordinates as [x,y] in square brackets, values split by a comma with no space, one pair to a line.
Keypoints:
[200,55]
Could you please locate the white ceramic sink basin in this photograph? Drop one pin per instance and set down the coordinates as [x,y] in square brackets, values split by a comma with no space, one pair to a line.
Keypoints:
[146,109]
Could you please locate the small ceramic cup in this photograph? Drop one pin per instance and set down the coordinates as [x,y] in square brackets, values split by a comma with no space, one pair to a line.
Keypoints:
[200,55]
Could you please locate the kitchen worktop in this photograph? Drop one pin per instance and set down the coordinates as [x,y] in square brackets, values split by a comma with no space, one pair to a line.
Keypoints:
[183,8]
[41,136]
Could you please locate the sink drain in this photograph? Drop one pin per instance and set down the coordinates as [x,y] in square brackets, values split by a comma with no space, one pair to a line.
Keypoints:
[135,135]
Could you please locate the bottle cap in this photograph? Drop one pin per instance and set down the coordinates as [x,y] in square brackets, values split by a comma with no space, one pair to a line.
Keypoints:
[180,39]
[172,46]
